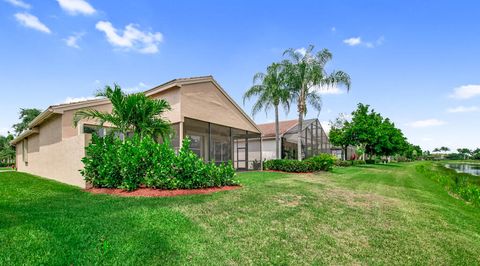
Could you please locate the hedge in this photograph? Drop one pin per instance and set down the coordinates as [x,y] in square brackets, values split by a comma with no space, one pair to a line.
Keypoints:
[321,162]
[112,163]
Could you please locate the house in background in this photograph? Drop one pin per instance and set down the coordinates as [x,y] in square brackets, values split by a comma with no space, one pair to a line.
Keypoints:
[314,139]
[219,130]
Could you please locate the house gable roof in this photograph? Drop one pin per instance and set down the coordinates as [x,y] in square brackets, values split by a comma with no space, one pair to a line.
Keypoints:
[268,129]
[60,108]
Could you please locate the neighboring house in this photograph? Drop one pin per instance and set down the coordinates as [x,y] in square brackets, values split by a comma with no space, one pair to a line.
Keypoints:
[219,129]
[314,139]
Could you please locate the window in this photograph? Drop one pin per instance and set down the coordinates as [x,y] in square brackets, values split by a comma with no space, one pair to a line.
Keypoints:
[197,131]
[25,150]
[89,129]
[220,149]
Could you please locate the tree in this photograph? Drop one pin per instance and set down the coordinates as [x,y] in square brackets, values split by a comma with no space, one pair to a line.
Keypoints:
[130,113]
[364,128]
[338,135]
[465,152]
[445,149]
[7,152]
[304,73]
[271,92]
[26,116]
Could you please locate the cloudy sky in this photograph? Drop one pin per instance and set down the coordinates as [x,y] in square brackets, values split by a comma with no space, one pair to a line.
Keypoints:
[416,62]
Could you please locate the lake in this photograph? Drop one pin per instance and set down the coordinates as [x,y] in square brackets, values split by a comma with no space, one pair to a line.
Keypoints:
[473,169]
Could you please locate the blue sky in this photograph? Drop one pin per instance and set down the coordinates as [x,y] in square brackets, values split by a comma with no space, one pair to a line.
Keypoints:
[416,62]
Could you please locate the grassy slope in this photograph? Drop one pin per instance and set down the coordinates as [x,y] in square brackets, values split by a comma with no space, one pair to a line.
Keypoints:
[370,214]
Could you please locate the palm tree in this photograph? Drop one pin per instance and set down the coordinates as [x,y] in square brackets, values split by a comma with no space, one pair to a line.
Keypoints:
[130,113]
[271,92]
[305,73]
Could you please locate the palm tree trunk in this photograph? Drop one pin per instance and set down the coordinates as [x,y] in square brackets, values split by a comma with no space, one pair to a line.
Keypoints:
[277,134]
[299,134]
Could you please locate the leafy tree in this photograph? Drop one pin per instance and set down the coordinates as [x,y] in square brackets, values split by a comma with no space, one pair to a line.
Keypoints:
[338,135]
[270,90]
[364,128]
[131,112]
[26,116]
[304,73]
[465,152]
[444,149]
[7,152]
[476,154]
[390,140]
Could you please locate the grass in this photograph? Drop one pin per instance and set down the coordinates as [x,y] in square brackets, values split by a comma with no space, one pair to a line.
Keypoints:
[357,215]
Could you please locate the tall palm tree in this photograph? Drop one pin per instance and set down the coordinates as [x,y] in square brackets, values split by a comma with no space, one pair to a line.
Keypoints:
[270,90]
[130,112]
[305,73]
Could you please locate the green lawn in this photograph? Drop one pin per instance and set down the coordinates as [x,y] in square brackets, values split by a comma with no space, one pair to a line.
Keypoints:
[358,215]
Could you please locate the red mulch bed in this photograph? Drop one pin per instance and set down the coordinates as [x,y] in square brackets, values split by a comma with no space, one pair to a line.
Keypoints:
[151,192]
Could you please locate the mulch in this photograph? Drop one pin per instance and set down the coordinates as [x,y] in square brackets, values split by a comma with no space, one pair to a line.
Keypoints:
[151,192]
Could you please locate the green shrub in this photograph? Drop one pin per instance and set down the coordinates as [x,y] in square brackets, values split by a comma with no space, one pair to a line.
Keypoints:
[370,161]
[322,162]
[111,163]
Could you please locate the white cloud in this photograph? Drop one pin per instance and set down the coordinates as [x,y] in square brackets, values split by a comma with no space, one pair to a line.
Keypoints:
[139,87]
[30,21]
[302,51]
[19,3]
[466,92]
[132,38]
[333,29]
[357,41]
[74,7]
[354,41]
[463,109]
[426,123]
[329,90]
[73,39]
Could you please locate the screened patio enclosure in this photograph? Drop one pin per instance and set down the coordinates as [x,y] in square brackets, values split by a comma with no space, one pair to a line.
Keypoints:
[314,140]
[221,144]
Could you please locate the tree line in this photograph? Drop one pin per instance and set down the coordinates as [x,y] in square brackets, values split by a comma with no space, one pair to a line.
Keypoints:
[7,152]
[372,135]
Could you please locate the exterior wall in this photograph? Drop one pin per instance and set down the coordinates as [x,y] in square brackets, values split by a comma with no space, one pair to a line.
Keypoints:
[173,97]
[205,102]
[69,130]
[56,151]
[268,149]
[50,156]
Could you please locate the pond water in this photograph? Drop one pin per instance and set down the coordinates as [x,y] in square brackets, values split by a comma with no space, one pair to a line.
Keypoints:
[473,169]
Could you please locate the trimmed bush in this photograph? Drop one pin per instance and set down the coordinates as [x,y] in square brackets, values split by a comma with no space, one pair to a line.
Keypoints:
[112,163]
[322,162]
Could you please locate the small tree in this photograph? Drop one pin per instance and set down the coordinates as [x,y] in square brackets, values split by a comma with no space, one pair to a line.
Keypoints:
[338,135]
[465,152]
[26,117]
[130,112]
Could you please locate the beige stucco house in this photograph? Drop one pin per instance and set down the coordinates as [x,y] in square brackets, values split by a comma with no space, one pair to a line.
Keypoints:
[219,129]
